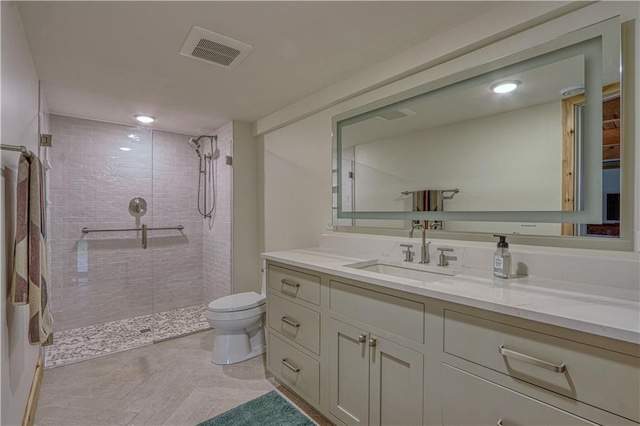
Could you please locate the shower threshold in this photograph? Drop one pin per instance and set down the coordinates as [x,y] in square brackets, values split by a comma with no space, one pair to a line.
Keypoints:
[81,344]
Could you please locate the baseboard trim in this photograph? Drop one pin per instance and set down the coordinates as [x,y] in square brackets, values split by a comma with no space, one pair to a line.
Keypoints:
[32,402]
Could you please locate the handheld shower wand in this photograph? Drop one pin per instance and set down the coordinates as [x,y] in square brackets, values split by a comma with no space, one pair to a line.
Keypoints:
[206,173]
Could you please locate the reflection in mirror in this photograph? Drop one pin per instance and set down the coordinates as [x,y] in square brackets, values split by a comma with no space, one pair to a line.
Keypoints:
[573,114]
[522,152]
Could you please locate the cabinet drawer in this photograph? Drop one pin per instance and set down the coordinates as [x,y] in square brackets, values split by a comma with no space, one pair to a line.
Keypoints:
[602,378]
[294,368]
[394,314]
[294,284]
[470,400]
[295,322]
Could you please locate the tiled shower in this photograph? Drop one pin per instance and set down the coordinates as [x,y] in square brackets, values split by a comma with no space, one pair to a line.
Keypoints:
[108,293]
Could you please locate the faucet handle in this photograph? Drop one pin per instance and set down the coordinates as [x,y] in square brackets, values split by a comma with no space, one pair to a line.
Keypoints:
[443,259]
[408,253]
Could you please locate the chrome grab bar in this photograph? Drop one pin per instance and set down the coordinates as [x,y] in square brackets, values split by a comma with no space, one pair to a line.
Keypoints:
[145,229]
[289,366]
[290,322]
[531,360]
[86,230]
[288,282]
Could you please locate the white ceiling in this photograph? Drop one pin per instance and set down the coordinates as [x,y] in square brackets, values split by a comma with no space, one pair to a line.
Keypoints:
[110,60]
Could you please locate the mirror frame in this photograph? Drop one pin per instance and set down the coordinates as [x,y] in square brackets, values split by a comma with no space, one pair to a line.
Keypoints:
[587,42]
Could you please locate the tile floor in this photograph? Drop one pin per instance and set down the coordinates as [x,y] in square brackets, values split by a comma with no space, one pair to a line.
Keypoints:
[168,383]
[95,341]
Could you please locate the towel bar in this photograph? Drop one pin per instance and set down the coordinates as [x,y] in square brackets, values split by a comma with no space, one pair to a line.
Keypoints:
[19,148]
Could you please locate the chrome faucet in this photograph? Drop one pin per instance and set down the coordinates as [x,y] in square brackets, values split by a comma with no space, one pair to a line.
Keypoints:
[424,249]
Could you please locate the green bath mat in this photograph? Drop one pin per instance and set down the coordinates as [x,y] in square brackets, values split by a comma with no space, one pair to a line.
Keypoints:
[268,410]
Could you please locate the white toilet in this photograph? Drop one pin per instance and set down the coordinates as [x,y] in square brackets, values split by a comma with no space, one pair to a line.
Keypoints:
[239,323]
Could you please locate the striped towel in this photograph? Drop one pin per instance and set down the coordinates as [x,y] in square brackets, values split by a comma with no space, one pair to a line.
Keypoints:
[29,282]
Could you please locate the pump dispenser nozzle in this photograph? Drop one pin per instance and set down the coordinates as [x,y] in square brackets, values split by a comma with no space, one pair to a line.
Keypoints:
[503,241]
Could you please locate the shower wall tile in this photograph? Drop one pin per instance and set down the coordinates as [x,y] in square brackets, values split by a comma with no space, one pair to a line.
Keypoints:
[177,256]
[101,277]
[216,251]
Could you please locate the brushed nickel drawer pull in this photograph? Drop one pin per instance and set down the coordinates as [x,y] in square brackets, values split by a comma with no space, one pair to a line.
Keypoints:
[362,338]
[290,322]
[289,366]
[289,282]
[535,361]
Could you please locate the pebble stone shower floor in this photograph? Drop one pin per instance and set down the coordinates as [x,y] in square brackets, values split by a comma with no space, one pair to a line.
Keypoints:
[85,343]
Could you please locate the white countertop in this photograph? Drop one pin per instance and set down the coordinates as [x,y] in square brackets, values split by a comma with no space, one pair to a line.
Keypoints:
[576,307]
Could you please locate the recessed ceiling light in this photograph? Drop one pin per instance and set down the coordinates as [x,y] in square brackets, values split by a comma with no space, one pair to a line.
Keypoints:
[124,148]
[505,86]
[144,118]
[571,91]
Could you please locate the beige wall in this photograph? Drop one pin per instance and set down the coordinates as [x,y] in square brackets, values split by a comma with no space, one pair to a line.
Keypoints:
[245,259]
[297,156]
[19,127]
[297,183]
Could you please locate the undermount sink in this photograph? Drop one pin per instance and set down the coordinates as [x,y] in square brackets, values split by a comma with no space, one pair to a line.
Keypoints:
[412,271]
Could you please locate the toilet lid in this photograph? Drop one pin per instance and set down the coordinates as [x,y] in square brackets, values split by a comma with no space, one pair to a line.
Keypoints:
[237,302]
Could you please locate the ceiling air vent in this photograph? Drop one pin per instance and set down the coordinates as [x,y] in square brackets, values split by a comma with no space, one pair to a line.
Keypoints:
[205,45]
[395,114]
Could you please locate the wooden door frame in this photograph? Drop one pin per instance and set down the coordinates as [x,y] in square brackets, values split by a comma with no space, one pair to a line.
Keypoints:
[569,151]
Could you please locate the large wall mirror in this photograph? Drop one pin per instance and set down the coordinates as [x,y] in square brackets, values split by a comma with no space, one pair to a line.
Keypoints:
[526,144]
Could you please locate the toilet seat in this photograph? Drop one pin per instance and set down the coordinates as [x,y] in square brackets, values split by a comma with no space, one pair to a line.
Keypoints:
[236,315]
[237,302]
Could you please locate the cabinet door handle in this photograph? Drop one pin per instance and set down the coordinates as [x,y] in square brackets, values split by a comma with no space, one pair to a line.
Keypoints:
[531,360]
[289,366]
[499,423]
[373,342]
[362,338]
[290,283]
[290,322]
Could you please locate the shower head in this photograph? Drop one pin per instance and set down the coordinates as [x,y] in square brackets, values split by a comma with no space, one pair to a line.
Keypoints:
[195,144]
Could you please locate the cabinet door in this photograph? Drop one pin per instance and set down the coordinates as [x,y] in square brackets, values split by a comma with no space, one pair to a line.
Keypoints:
[349,373]
[396,375]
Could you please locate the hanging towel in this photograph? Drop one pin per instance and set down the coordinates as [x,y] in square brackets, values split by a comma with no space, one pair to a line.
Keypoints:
[29,282]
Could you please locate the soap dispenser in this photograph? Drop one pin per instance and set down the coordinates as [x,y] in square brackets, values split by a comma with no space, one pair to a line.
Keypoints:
[502,259]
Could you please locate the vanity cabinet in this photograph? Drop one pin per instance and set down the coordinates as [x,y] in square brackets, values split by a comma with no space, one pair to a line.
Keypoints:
[373,381]
[364,354]
[293,330]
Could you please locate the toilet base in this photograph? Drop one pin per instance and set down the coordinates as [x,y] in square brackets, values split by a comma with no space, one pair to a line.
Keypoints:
[225,360]
[230,347]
